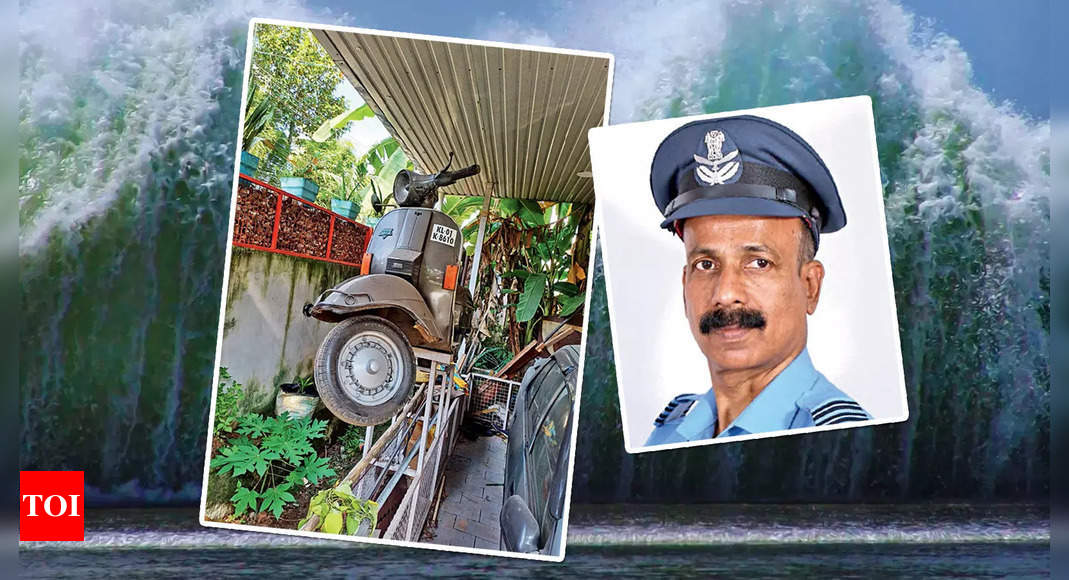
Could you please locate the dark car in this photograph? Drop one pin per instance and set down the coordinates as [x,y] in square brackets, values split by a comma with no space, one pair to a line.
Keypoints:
[539,448]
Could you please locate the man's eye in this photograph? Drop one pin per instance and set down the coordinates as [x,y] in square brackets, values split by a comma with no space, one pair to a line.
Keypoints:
[703,265]
[760,263]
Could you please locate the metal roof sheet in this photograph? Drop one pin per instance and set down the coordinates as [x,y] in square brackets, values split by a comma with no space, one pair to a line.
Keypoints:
[522,114]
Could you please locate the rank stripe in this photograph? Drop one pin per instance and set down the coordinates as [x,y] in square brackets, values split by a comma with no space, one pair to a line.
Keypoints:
[686,399]
[832,416]
[846,418]
[833,406]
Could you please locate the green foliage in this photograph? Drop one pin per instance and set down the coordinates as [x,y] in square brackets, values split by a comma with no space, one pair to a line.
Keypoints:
[244,499]
[304,384]
[569,304]
[252,425]
[276,498]
[382,180]
[243,457]
[534,287]
[228,403]
[313,470]
[259,112]
[270,457]
[295,70]
[534,251]
[298,79]
[352,441]
[355,114]
[338,509]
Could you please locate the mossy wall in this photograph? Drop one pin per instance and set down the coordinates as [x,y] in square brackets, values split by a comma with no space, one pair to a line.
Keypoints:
[267,340]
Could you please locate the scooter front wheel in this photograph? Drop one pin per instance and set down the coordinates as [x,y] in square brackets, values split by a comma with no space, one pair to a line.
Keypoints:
[364,370]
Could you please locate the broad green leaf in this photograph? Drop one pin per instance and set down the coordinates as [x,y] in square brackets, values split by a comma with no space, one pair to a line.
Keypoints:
[276,442]
[508,207]
[566,288]
[309,428]
[343,488]
[531,213]
[351,524]
[275,499]
[569,304]
[533,290]
[313,469]
[332,524]
[461,209]
[252,425]
[296,450]
[359,113]
[241,459]
[244,499]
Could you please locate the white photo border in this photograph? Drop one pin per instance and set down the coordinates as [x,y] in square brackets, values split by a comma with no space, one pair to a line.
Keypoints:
[630,446]
[226,285]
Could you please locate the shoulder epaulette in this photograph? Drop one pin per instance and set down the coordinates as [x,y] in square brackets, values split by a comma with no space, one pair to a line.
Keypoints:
[838,411]
[675,409]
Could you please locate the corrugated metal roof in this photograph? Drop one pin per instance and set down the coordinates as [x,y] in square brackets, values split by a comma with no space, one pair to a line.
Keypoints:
[521,114]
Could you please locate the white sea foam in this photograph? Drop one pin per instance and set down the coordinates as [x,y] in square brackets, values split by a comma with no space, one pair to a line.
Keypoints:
[105,86]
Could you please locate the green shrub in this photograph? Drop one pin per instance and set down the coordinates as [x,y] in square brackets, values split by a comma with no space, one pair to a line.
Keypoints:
[270,457]
[352,441]
[228,402]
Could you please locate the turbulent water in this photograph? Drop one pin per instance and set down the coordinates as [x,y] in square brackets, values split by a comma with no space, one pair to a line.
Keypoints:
[128,114]
[670,541]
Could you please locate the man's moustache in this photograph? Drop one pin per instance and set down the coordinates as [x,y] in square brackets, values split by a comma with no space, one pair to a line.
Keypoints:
[722,318]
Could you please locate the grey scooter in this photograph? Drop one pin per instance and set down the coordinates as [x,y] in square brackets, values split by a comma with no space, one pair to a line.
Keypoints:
[408,294]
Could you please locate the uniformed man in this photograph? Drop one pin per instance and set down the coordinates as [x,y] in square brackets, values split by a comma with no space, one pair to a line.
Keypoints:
[749,198]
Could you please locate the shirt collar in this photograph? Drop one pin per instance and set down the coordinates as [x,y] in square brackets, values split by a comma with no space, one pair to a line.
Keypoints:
[771,409]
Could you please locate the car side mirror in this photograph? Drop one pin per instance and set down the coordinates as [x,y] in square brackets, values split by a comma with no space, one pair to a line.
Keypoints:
[519,528]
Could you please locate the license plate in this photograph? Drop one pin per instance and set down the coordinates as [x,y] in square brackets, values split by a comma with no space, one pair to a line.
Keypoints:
[444,235]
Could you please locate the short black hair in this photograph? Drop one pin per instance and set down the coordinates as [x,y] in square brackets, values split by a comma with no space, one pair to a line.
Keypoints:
[807,246]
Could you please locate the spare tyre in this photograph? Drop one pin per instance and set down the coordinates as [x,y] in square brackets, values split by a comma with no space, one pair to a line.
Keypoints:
[365,370]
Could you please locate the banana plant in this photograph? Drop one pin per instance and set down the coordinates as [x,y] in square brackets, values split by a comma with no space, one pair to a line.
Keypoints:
[355,114]
[382,180]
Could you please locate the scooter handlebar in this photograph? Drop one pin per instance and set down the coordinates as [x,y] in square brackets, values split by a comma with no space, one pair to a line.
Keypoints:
[448,177]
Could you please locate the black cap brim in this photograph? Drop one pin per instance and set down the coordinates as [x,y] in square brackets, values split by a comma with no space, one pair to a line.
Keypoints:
[745,206]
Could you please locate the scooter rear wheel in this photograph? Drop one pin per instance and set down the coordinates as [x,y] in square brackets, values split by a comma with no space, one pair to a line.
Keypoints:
[364,370]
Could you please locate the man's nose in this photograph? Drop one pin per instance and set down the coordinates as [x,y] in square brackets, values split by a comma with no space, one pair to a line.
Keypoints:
[729,290]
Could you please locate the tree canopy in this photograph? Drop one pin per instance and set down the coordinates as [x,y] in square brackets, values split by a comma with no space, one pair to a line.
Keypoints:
[291,66]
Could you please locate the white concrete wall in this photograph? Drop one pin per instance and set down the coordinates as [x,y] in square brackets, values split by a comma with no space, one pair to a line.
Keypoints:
[266,338]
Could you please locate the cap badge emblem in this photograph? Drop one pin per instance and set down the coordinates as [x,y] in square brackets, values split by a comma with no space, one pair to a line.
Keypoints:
[716,167]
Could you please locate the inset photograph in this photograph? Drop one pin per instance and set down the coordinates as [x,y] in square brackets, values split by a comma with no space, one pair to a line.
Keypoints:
[399,353]
[748,274]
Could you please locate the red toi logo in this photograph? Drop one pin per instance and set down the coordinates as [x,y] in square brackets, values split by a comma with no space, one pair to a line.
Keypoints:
[52,506]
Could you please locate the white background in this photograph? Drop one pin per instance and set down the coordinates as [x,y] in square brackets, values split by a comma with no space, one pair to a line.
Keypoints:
[853,336]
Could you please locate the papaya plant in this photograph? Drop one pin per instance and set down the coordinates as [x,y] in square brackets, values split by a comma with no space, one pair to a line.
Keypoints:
[270,457]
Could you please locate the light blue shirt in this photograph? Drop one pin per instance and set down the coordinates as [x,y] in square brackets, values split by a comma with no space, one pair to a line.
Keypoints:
[798,397]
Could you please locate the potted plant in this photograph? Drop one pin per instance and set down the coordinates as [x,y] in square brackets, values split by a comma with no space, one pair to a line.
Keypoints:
[302,187]
[299,398]
[348,204]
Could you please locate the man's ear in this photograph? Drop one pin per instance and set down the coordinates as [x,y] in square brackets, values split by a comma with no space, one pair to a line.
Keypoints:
[683,287]
[813,278]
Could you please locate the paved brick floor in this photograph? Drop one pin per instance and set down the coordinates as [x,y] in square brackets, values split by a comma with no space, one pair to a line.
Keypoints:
[471,498]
